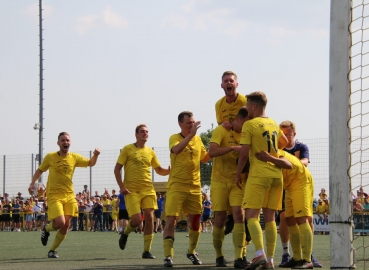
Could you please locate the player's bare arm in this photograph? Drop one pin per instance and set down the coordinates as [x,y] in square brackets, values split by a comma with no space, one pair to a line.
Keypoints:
[93,160]
[118,178]
[305,161]
[280,162]
[178,148]
[161,171]
[242,159]
[216,151]
[36,176]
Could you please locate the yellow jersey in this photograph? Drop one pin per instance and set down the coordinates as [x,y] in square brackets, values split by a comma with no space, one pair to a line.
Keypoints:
[61,170]
[106,205]
[185,166]
[228,111]
[137,164]
[262,134]
[225,166]
[114,205]
[298,173]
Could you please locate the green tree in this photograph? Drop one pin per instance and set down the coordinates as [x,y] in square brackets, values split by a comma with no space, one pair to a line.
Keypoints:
[205,168]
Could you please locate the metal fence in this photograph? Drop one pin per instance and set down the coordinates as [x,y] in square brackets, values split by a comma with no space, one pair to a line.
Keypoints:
[17,170]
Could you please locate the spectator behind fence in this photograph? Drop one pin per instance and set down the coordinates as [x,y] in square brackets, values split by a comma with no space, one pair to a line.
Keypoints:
[39,211]
[19,196]
[98,213]
[114,212]
[356,206]
[29,215]
[106,211]
[366,204]
[7,214]
[16,215]
[81,215]
[323,194]
[321,210]
[89,213]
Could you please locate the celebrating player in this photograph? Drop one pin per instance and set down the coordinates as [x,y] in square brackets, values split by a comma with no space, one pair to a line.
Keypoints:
[264,184]
[184,188]
[299,187]
[137,188]
[301,151]
[227,107]
[62,205]
[224,149]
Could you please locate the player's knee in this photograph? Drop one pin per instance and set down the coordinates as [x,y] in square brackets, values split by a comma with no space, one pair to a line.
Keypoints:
[195,225]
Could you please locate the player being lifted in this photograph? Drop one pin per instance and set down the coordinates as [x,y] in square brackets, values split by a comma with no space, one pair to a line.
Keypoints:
[184,187]
[227,107]
[224,149]
[299,192]
[59,189]
[138,190]
[264,184]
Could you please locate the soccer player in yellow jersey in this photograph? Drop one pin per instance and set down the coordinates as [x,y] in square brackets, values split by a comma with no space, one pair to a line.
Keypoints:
[227,107]
[299,186]
[137,188]
[224,149]
[62,205]
[264,185]
[184,187]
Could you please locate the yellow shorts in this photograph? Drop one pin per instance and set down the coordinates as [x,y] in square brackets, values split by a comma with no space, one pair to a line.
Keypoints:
[299,198]
[114,215]
[263,193]
[63,204]
[224,195]
[137,200]
[186,201]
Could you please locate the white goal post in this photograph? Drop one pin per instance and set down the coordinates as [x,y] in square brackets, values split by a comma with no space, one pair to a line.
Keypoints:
[341,228]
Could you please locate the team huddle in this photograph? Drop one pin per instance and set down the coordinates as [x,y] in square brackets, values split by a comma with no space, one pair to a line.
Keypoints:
[257,166]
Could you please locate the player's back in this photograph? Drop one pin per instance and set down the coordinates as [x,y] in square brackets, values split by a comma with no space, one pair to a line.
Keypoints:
[262,133]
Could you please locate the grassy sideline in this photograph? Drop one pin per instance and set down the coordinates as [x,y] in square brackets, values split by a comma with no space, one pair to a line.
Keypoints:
[89,250]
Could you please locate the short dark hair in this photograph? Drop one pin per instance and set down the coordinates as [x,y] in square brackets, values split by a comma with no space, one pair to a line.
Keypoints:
[183,114]
[228,72]
[139,126]
[62,134]
[243,113]
[258,98]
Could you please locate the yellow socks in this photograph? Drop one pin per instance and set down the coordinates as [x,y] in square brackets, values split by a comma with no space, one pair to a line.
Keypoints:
[168,247]
[238,236]
[295,242]
[128,229]
[194,237]
[218,238]
[256,233]
[271,238]
[148,241]
[49,227]
[306,241]
[58,239]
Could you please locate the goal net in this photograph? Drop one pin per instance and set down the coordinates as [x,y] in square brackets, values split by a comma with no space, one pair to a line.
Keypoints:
[349,133]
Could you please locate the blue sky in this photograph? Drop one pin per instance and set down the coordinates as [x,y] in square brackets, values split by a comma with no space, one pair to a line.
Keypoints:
[111,65]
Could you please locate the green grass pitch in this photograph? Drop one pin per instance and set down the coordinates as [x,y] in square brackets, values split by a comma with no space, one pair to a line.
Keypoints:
[100,250]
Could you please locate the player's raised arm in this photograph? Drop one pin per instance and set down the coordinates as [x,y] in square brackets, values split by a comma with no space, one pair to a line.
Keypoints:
[93,160]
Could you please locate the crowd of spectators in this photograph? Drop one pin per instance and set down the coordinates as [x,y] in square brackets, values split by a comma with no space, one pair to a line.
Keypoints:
[95,213]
